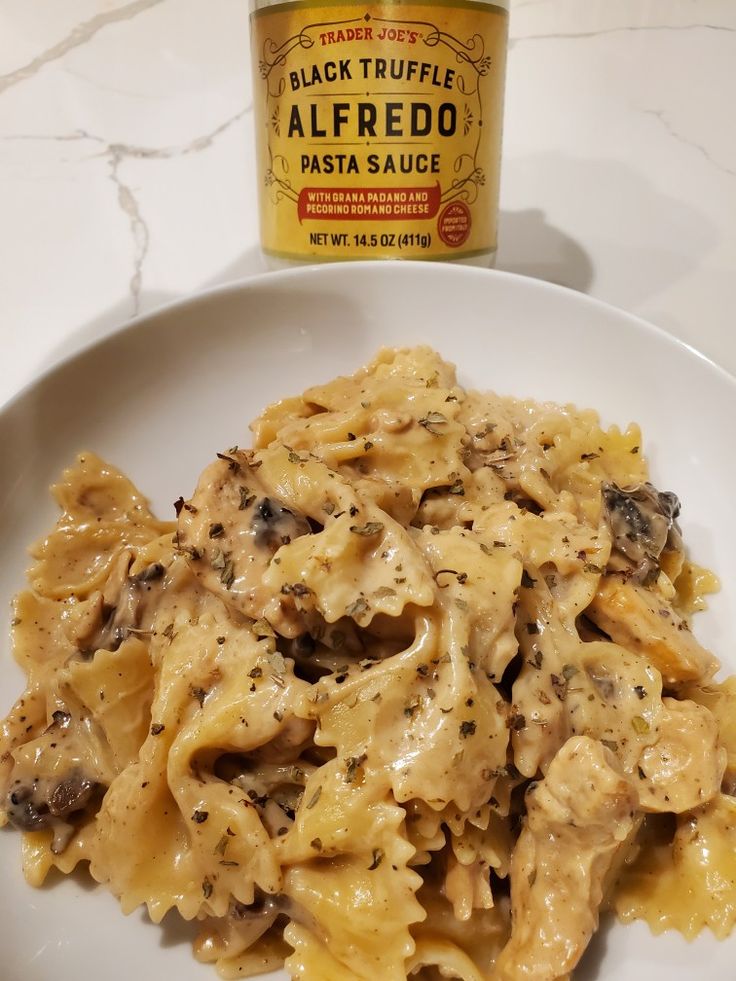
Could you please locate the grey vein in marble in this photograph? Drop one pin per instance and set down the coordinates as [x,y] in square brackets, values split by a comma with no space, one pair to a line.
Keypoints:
[632,28]
[138,227]
[79,35]
[117,154]
[181,150]
[661,115]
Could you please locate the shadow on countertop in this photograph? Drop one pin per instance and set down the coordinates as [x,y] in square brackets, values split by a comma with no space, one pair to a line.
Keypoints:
[248,263]
[529,245]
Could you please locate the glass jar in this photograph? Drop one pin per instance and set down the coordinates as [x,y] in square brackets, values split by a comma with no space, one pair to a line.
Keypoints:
[378,128]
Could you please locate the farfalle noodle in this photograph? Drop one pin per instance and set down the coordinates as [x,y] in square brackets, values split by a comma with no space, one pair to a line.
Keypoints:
[418,660]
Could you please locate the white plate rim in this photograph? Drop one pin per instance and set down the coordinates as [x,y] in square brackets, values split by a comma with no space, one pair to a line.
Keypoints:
[328,269]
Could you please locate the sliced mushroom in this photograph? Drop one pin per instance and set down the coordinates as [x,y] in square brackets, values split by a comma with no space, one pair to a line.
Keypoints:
[275,525]
[125,606]
[43,803]
[229,532]
[643,523]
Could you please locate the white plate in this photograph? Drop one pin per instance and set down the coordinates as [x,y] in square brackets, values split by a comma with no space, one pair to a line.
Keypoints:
[162,395]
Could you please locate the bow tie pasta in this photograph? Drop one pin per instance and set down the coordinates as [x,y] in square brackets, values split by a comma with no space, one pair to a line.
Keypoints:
[407,689]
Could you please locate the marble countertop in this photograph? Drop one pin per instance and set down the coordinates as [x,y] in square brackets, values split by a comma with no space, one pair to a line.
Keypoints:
[127,170]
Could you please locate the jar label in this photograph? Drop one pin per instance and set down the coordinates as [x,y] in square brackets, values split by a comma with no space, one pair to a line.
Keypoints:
[378,127]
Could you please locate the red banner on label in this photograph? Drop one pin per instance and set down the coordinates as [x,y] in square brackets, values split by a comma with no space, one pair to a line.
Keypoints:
[368,203]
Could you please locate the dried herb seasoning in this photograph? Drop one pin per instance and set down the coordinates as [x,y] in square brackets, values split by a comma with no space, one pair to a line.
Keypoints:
[367,530]
[352,765]
[314,798]
[431,420]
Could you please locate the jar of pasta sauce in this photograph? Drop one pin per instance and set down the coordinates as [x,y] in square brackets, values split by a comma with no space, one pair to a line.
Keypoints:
[378,127]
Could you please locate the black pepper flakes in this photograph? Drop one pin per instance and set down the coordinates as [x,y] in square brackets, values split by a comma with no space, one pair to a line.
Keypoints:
[559,686]
[199,817]
[411,707]
[516,721]
[296,589]
[467,728]
[157,728]
[199,693]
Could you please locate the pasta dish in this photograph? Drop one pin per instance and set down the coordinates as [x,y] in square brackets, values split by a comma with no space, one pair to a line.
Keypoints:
[409,688]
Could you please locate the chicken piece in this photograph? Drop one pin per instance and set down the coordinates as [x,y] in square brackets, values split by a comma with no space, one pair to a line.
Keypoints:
[720,700]
[683,769]
[644,622]
[578,819]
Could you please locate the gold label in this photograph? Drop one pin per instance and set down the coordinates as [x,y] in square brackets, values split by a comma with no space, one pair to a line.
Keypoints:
[378,127]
